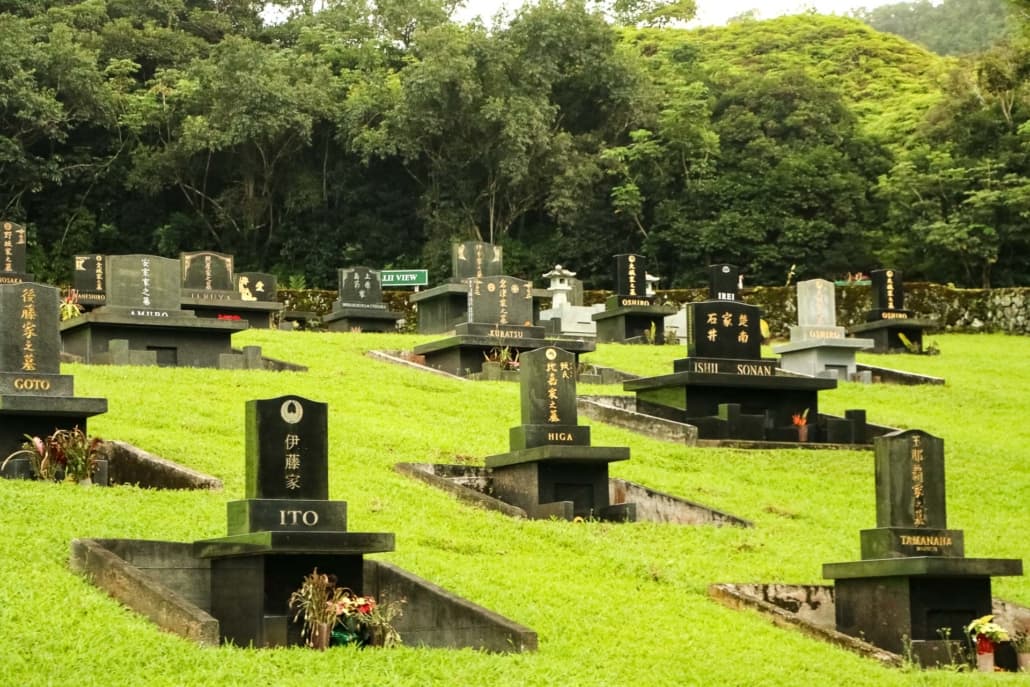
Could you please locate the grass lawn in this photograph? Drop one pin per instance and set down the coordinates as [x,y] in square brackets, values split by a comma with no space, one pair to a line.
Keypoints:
[614,604]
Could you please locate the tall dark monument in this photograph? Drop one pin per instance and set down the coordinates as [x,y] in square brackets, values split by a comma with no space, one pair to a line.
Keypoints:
[35,398]
[725,387]
[284,528]
[212,289]
[551,469]
[631,314]
[12,260]
[913,581]
[888,323]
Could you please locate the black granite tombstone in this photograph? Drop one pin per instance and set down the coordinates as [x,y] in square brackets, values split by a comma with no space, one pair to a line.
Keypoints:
[359,305]
[284,528]
[206,274]
[723,282]
[143,308]
[476,259]
[551,469]
[258,287]
[499,318]
[892,328]
[210,289]
[729,391]
[35,398]
[441,308]
[630,314]
[913,583]
[12,265]
[89,280]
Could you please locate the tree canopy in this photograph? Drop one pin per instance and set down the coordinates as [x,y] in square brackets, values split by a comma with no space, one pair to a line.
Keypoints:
[378,132]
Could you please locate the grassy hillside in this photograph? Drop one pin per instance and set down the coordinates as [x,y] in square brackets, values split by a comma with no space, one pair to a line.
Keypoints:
[887,81]
[613,604]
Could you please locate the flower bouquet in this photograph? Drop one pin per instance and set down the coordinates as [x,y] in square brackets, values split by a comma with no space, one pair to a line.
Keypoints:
[335,615]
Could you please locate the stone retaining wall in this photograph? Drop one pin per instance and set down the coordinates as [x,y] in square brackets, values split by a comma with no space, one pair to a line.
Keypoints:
[960,310]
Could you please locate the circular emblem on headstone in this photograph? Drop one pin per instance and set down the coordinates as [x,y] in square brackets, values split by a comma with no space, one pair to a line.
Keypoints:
[291,412]
[725,269]
[551,354]
[491,287]
[514,288]
[632,258]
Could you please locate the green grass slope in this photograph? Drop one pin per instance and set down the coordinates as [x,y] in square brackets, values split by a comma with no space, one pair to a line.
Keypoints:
[888,81]
[613,604]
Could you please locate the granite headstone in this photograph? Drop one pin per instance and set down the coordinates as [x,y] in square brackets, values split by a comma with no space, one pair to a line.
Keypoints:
[256,286]
[475,259]
[12,265]
[146,285]
[723,282]
[548,400]
[204,272]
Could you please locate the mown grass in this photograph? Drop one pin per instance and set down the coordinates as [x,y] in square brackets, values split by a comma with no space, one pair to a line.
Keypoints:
[613,604]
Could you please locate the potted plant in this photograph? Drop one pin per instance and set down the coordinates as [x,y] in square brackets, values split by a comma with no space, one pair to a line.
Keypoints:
[800,420]
[315,603]
[65,454]
[323,606]
[984,633]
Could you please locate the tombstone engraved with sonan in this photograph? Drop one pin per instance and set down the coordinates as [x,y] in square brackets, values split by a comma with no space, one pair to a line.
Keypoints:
[729,391]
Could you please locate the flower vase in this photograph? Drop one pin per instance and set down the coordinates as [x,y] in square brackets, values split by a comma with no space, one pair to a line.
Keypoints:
[984,654]
[1023,661]
[802,433]
[86,482]
[319,637]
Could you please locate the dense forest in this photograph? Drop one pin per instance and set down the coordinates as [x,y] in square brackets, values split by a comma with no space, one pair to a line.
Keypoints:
[377,132]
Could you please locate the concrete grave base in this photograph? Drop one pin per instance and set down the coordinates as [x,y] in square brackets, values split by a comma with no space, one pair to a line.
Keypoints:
[168,584]
[811,609]
[474,484]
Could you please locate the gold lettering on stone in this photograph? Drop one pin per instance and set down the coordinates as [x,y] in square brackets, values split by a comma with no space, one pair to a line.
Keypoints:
[894,316]
[31,384]
[710,368]
[925,540]
[559,436]
[508,333]
[754,370]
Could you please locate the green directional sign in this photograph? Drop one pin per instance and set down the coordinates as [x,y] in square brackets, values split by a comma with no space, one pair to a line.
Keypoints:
[404,278]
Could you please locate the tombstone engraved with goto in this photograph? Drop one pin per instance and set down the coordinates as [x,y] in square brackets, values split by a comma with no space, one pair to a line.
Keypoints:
[35,398]
[12,262]
[359,305]
[551,469]
[630,314]
[914,583]
[818,347]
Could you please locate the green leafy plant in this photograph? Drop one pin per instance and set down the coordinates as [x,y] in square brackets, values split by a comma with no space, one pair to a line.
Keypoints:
[67,453]
[70,308]
[1021,641]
